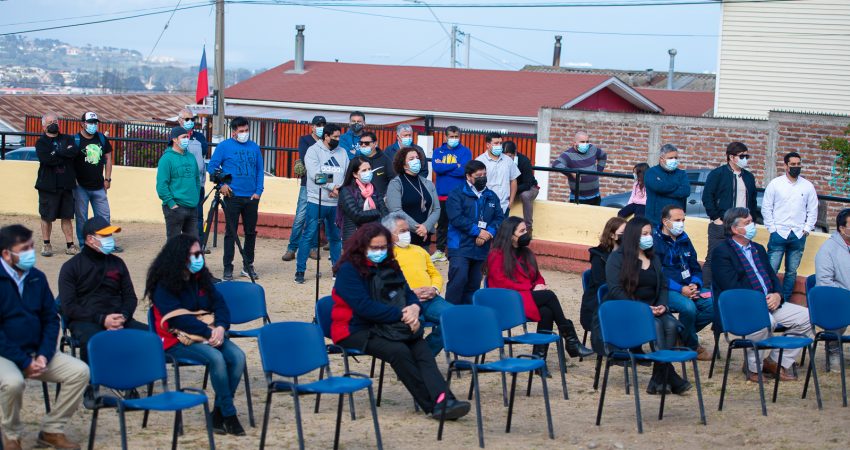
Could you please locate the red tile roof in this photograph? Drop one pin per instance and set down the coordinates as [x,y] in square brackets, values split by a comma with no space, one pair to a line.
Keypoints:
[681,103]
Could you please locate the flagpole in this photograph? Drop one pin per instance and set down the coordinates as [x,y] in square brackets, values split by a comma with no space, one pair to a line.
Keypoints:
[218,122]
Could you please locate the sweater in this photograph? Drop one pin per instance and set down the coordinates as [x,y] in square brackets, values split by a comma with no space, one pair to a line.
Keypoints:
[350,207]
[417,267]
[721,189]
[93,285]
[28,323]
[332,163]
[524,281]
[56,163]
[832,263]
[193,298]
[448,164]
[382,171]
[594,159]
[616,291]
[677,255]
[198,148]
[177,179]
[589,300]
[638,196]
[395,191]
[244,162]
[466,211]
[664,188]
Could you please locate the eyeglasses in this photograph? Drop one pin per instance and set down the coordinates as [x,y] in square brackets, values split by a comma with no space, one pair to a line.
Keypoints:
[377,249]
[743,156]
[366,143]
[196,254]
[194,118]
[92,121]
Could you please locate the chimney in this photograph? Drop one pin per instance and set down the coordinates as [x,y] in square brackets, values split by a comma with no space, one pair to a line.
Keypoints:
[672,71]
[649,75]
[556,59]
[299,49]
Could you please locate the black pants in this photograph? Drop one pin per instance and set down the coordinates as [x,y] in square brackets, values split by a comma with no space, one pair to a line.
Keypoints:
[412,361]
[442,227]
[233,208]
[464,279]
[666,330]
[590,201]
[716,235]
[550,311]
[423,242]
[180,220]
[632,208]
[84,331]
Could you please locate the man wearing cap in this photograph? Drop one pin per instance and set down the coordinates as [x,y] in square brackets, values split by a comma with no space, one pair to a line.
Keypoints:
[317,130]
[178,185]
[55,183]
[198,148]
[95,289]
[93,168]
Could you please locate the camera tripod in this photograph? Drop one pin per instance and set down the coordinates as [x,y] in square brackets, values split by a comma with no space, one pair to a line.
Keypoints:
[212,223]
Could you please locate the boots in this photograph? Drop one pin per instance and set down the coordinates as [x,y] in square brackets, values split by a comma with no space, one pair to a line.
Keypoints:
[574,347]
[657,384]
[678,385]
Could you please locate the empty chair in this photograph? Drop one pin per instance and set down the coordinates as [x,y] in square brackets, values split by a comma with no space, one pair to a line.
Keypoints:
[829,309]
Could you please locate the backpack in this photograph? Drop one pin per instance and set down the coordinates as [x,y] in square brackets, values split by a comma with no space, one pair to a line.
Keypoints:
[389,287]
[102,138]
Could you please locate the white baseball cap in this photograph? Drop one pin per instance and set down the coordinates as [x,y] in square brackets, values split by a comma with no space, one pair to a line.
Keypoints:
[90,116]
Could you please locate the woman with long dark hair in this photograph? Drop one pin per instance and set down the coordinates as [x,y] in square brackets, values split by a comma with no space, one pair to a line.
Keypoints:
[609,241]
[413,195]
[512,265]
[359,203]
[180,288]
[375,311]
[634,272]
[637,201]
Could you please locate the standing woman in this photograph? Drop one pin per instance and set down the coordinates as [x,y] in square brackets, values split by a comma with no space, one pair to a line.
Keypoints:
[634,272]
[609,241]
[414,196]
[512,265]
[179,285]
[358,202]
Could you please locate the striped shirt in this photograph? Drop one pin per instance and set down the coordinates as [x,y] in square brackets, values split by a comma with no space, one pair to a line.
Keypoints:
[594,159]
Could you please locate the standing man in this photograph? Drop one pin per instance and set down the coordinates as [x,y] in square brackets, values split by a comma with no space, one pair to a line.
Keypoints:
[29,330]
[526,188]
[93,168]
[449,162]
[382,166]
[832,266]
[666,184]
[317,130]
[55,183]
[350,140]
[178,185]
[241,158]
[198,147]
[502,173]
[790,209]
[475,215]
[586,156]
[728,186]
[404,133]
[326,163]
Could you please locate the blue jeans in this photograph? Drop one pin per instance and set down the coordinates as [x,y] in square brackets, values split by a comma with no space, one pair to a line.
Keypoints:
[298,223]
[226,363]
[792,249]
[311,227]
[464,279]
[432,310]
[693,314]
[99,205]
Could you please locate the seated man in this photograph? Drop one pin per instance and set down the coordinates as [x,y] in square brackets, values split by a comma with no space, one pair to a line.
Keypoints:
[832,266]
[29,329]
[423,278]
[684,277]
[95,289]
[740,263]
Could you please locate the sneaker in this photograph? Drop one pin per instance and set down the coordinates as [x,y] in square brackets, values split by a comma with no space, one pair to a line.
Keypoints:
[118,249]
[249,272]
[72,250]
[288,256]
[47,250]
[439,256]
[228,274]
[232,426]
[299,277]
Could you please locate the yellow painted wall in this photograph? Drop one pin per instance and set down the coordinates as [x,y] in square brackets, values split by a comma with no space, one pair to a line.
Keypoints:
[133,199]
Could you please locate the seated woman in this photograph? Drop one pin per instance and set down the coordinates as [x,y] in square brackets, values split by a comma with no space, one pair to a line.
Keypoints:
[414,195]
[358,201]
[609,241]
[376,312]
[511,265]
[179,286]
[634,272]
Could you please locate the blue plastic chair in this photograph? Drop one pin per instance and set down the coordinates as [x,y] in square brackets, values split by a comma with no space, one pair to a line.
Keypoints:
[811,281]
[247,303]
[601,294]
[126,359]
[510,313]
[627,324]
[471,331]
[294,349]
[585,281]
[743,312]
[829,309]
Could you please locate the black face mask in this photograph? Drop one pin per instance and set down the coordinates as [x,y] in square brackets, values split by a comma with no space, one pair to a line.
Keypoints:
[53,128]
[357,127]
[333,144]
[523,240]
[480,183]
[794,171]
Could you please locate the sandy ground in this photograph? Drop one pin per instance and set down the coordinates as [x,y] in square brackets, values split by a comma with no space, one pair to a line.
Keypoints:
[793,423]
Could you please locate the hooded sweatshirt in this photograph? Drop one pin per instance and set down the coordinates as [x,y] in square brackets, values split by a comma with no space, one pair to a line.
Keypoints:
[333,163]
[177,179]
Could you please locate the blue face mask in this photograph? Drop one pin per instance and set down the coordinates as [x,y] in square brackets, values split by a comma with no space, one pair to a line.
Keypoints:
[414,165]
[366,177]
[107,244]
[91,128]
[672,164]
[496,150]
[188,125]
[750,231]
[584,147]
[646,242]
[407,141]
[365,151]
[376,256]
[195,263]
[320,131]
[184,143]
[26,259]
[453,142]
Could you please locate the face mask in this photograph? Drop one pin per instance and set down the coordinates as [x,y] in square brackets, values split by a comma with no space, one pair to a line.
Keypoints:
[406,141]
[646,242]
[523,240]
[91,128]
[672,164]
[333,144]
[403,239]
[184,143]
[107,244]
[677,228]
[242,137]
[480,183]
[376,256]
[794,171]
[453,142]
[366,177]
[356,127]
[750,231]
[414,165]
[583,147]
[365,151]
[26,259]
[634,175]
[320,131]
[53,128]
[195,264]
[188,125]
[742,163]
[496,150]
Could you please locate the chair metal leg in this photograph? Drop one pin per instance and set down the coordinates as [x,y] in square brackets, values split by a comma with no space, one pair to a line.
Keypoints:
[298,427]
[663,391]
[248,398]
[46,394]
[511,403]
[548,407]
[726,377]
[803,358]
[208,421]
[699,393]
[604,388]
[206,376]
[596,374]
[684,371]
[714,354]
[528,389]
[584,343]
[381,382]
[778,377]
[93,429]
[637,397]
[351,398]
[375,419]
[174,431]
[472,382]
[147,413]
[372,373]
[809,369]
[58,389]
[266,419]
[319,396]
[478,407]
[338,420]
[443,411]
[626,377]
[843,380]
[761,383]
[563,366]
[122,425]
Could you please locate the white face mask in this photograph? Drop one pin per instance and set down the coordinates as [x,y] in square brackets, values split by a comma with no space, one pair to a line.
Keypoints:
[403,239]
[243,137]
[742,163]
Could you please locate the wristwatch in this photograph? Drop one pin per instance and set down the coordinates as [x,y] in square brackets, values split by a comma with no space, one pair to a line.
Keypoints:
[108,179]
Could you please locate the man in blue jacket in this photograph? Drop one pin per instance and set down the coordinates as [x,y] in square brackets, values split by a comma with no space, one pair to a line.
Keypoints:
[29,328]
[666,184]
[350,140]
[684,277]
[475,215]
[448,162]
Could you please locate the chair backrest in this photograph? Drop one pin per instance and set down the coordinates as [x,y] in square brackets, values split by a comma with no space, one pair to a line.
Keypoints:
[125,359]
[743,311]
[829,307]
[470,330]
[626,323]
[323,314]
[151,320]
[246,301]
[507,304]
[811,281]
[601,293]
[291,349]
[63,322]
[585,279]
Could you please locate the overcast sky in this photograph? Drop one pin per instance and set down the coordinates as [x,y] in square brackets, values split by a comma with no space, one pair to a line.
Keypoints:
[263,35]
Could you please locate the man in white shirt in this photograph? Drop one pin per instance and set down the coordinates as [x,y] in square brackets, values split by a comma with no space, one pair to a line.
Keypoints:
[790,210]
[502,173]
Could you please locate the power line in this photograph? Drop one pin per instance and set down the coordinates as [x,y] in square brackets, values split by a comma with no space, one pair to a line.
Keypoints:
[439,41]
[439,57]
[510,52]
[164,28]
[88,16]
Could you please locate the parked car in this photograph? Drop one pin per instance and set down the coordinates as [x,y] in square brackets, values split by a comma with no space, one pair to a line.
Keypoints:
[22,154]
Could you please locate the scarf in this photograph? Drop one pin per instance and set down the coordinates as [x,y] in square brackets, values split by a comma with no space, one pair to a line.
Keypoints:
[366,191]
[748,268]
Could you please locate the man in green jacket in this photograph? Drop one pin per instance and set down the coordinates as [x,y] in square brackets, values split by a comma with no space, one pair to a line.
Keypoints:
[177,185]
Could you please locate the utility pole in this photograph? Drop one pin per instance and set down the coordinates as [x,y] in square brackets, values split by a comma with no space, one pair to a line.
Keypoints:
[218,123]
[454,47]
[468,46]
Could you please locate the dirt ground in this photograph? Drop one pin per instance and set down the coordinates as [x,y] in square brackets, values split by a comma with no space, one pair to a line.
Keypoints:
[792,423]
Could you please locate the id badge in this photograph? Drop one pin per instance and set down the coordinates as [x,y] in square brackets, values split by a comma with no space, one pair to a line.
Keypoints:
[482,224]
[686,274]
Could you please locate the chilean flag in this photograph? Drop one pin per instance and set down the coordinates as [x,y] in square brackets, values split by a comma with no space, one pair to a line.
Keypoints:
[203,88]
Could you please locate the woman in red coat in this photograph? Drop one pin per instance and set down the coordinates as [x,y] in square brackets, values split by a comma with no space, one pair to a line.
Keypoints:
[519,272]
